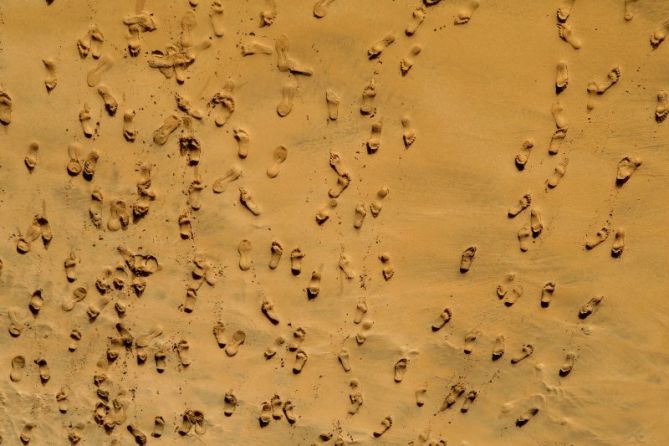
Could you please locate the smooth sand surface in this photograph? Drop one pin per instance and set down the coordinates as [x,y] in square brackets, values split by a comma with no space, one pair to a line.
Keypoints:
[374,147]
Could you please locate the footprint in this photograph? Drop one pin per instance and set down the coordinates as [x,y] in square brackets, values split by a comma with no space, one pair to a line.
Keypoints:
[242,138]
[162,133]
[400,369]
[61,399]
[111,104]
[359,215]
[285,62]
[36,302]
[288,92]
[467,258]
[226,102]
[265,413]
[244,250]
[160,359]
[344,359]
[252,47]
[16,322]
[321,8]
[5,107]
[629,14]
[296,257]
[360,310]
[94,76]
[612,78]
[442,320]
[658,36]
[566,33]
[288,408]
[232,347]
[343,181]
[526,416]
[589,307]
[547,294]
[279,156]
[524,238]
[314,287]
[138,435]
[276,251]
[564,11]
[470,339]
[185,226]
[386,424]
[30,159]
[221,183]
[301,358]
[129,129]
[380,45]
[43,368]
[561,77]
[465,14]
[229,403]
[332,100]
[388,271]
[536,222]
[26,433]
[524,154]
[345,266]
[143,341]
[376,205]
[618,243]
[367,107]
[365,328]
[184,104]
[408,132]
[194,192]
[119,215]
[509,290]
[560,132]
[374,142]
[626,167]
[355,397]
[216,17]
[277,405]
[553,181]
[77,296]
[592,241]
[662,108]
[51,81]
[526,351]
[18,366]
[523,203]
[407,62]
[267,308]
[86,119]
[90,164]
[246,199]
[267,16]
[498,347]
[420,395]
[417,19]
[75,338]
[189,144]
[183,352]
[568,364]
[456,392]
[218,331]
[469,400]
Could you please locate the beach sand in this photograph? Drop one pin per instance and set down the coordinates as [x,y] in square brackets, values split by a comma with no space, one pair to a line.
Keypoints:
[349,222]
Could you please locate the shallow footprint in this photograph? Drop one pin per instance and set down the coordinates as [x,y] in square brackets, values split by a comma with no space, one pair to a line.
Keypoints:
[380,45]
[232,347]
[30,159]
[417,19]
[592,241]
[559,172]
[526,416]
[568,364]
[244,250]
[279,155]
[566,33]
[216,17]
[332,100]
[589,307]
[5,107]
[18,365]
[321,8]
[94,76]
[524,154]
[407,62]
[561,77]
[400,369]
[498,348]
[470,339]
[524,238]
[288,92]
[221,183]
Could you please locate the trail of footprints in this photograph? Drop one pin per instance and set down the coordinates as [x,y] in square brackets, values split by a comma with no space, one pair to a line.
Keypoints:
[129,276]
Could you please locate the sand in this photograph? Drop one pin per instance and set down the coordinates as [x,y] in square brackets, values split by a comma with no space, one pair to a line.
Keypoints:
[259,223]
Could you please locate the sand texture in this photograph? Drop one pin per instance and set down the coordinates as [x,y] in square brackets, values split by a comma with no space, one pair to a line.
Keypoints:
[291,222]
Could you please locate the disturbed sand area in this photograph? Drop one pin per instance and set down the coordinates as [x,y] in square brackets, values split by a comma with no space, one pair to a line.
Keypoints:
[396,223]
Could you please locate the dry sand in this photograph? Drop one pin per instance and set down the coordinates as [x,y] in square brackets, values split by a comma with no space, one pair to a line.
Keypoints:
[469,203]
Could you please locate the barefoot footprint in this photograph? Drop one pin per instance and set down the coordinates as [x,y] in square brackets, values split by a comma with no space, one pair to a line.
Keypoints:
[216,17]
[407,62]
[566,33]
[386,424]
[626,167]
[288,92]
[470,339]
[332,100]
[442,320]
[526,351]
[279,156]
[244,250]
[467,258]
[276,251]
[618,243]
[498,347]
[367,107]
[547,294]
[18,365]
[374,142]
[296,257]
[568,364]
[321,8]
[465,14]
[553,181]
[592,241]
[221,183]
[526,416]
[589,307]
[238,338]
[243,140]
[524,238]
[94,76]
[380,45]
[301,358]
[523,203]
[417,18]
[524,154]
[246,199]
[169,125]
[30,159]
[400,369]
